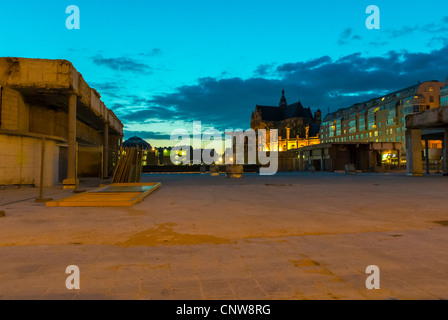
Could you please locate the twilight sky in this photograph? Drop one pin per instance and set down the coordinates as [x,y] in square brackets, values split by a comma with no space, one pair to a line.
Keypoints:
[160,64]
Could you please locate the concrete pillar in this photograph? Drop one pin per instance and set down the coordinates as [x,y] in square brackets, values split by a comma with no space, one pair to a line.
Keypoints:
[106,151]
[445,152]
[426,156]
[300,161]
[414,152]
[371,162]
[310,162]
[71,181]
[322,162]
[294,163]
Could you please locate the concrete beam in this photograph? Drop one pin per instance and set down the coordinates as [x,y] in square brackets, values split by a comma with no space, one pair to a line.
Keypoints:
[436,117]
[45,77]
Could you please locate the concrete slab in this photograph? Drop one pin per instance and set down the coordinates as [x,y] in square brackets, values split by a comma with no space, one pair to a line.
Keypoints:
[290,236]
[113,195]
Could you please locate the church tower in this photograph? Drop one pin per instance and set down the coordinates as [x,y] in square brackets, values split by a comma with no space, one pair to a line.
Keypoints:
[283,102]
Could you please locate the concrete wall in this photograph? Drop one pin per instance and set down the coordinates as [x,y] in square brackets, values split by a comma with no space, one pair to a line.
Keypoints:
[89,161]
[34,102]
[19,116]
[14,112]
[20,161]
[55,122]
[288,161]
[23,118]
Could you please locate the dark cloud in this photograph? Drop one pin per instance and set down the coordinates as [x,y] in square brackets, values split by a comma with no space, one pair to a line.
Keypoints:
[152,53]
[314,63]
[147,135]
[264,69]
[433,28]
[322,82]
[377,43]
[122,64]
[107,89]
[405,31]
[437,41]
[223,103]
[151,112]
[347,36]
[355,78]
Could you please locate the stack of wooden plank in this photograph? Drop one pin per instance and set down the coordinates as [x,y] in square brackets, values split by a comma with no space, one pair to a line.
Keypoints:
[129,166]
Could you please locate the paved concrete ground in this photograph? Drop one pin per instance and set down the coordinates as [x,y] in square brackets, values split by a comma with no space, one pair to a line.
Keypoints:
[290,236]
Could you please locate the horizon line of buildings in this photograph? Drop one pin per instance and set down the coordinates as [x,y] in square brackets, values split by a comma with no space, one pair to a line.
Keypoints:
[50,118]
[380,121]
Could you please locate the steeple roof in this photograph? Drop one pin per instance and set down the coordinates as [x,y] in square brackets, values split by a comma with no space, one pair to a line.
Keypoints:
[283,102]
[137,142]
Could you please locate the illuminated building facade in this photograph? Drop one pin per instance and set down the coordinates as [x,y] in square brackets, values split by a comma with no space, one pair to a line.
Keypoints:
[444,95]
[296,125]
[382,119]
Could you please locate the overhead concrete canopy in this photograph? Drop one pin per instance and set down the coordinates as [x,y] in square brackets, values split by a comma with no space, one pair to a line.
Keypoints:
[431,122]
[433,118]
[50,83]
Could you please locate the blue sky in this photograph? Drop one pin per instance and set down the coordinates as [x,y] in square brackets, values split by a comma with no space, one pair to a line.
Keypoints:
[162,64]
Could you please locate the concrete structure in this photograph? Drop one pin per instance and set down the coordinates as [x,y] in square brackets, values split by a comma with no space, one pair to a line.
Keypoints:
[429,125]
[296,125]
[382,119]
[49,102]
[364,156]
